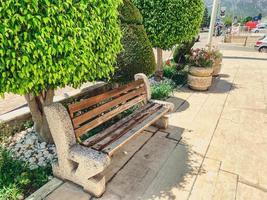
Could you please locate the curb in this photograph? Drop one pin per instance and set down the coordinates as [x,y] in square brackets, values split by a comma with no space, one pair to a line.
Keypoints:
[45,190]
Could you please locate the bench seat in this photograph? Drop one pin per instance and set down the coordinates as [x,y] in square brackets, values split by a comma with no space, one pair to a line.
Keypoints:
[109,140]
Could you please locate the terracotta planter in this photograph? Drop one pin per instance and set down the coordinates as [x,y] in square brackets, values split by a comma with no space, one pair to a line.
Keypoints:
[217,66]
[200,78]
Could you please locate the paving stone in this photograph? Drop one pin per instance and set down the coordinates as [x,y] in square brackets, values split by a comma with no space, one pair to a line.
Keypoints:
[68,191]
[245,192]
[225,186]
[135,177]
[125,153]
[176,177]
[152,129]
[204,186]
[174,132]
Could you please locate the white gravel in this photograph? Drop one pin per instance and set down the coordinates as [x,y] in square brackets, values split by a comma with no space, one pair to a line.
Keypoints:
[25,146]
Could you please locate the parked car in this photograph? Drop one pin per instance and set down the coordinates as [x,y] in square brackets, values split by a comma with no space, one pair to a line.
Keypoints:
[261,44]
[260,29]
[262,25]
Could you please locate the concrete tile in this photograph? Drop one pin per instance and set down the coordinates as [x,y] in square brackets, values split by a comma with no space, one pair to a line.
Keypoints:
[131,181]
[176,177]
[204,186]
[225,186]
[125,153]
[245,192]
[68,191]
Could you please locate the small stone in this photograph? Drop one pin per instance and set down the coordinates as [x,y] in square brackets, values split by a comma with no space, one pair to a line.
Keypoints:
[29,141]
[32,167]
[46,153]
[41,159]
[43,145]
[28,154]
[20,197]
[30,129]
[42,164]
[32,160]
[23,133]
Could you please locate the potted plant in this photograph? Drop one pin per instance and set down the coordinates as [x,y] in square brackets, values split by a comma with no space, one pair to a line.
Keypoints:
[217,63]
[200,69]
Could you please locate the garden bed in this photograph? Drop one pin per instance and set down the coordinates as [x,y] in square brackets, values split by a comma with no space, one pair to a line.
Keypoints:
[25,165]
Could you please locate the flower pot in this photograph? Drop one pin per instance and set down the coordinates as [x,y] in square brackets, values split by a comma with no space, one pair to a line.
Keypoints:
[200,78]
[217,66]
[201,71]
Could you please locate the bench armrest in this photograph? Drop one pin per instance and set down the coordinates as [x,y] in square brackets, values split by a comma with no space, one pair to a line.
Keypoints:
[168,105]
[143,77]
[88,156]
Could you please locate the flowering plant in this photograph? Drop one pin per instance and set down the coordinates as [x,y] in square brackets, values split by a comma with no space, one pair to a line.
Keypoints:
[201,58]
[217,55]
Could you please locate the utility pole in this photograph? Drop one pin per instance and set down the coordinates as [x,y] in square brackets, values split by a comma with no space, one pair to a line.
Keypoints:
[212,21]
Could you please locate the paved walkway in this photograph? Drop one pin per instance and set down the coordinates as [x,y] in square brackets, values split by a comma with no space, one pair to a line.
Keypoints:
[215,148]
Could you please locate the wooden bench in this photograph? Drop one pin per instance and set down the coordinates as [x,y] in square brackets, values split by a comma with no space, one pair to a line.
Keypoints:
[83,160]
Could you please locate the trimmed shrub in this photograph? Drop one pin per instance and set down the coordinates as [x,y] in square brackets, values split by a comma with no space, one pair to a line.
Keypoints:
[137,56]
[50,44]
[170,22]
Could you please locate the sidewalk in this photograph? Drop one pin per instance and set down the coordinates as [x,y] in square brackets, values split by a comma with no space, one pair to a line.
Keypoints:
[215,148]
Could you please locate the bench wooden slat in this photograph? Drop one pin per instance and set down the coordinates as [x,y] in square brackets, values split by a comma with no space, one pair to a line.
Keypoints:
[96,138]
[105,107]
[110,149]
[99,98]
[91,125]
[124,129]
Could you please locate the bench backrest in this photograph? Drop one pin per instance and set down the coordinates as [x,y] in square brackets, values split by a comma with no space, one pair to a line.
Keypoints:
[90,113]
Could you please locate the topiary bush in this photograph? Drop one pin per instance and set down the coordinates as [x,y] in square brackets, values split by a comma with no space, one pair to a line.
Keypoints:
[170,22]
[50,44]
[137,55]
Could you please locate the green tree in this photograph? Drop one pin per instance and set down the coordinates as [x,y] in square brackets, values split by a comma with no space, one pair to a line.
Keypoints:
[260,16]
[247,19]
[170,22]
[205,20]
[50,44]
[228,20]
[137,55]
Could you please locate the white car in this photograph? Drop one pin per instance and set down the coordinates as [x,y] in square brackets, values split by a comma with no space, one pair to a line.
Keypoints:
[262,25]
[261,44]
[260,29]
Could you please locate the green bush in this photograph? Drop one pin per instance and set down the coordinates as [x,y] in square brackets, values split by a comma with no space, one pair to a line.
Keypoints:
[171,22]
[169,71]
[137,56]
[179,77]
[17,180]
[162,90]
[181,50]
[49,44]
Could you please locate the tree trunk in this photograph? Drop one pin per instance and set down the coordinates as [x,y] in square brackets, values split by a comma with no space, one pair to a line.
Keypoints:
[159,71]
[36,105]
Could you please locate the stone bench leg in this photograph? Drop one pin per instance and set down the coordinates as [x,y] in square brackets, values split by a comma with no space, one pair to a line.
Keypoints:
[162,123]
[76,163]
